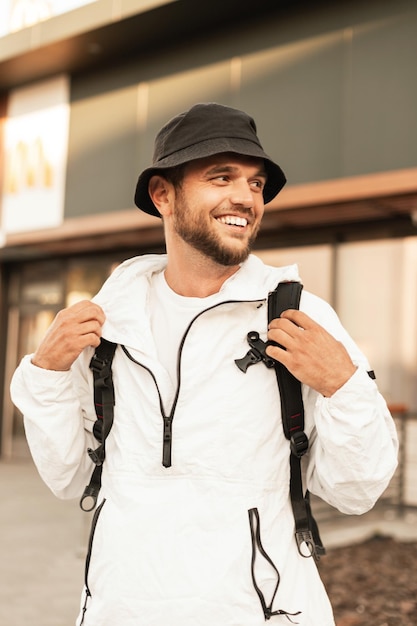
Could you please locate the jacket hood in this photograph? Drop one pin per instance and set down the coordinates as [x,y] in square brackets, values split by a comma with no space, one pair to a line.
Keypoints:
[124,296]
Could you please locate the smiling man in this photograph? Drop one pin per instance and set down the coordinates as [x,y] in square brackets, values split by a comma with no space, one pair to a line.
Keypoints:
[194,526]
[211,218]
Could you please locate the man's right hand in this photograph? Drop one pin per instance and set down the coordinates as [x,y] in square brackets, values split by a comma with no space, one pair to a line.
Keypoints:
[72,330]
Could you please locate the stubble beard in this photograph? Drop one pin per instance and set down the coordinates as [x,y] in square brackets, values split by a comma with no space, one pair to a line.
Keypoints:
[197,234]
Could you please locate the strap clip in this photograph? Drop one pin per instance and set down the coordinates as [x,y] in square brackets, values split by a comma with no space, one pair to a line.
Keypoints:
[102,371]
[307,546]
[95,456]
[256,354]
[299,443]
[89,498]
[304,539]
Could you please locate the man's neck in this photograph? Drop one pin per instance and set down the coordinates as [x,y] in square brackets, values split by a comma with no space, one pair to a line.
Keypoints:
[197,280]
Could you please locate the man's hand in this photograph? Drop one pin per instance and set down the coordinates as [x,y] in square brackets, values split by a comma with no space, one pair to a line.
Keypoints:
[72,330]
[311,354]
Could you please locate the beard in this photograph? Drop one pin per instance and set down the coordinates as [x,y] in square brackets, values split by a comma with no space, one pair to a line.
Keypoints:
[197,233]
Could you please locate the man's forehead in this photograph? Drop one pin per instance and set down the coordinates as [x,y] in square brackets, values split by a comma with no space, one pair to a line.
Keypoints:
[227,160]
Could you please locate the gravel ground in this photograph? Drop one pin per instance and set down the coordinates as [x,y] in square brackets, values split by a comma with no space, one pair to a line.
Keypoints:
[373,583]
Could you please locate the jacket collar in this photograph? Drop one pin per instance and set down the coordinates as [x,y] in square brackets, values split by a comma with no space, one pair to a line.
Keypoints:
[124,296]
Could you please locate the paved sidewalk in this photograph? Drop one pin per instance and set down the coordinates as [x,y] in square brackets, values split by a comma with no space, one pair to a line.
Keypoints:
[42,540]
[43,543]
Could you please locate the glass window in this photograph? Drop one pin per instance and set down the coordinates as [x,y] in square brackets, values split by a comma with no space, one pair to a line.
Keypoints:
[377,302]
[314,265]
[42,284]
[85,277]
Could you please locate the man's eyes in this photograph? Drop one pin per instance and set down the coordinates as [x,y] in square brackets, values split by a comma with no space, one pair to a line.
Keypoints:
[258,183]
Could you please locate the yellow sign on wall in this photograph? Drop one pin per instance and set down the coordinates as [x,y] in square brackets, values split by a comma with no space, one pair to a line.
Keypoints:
[35,149]
[27,167]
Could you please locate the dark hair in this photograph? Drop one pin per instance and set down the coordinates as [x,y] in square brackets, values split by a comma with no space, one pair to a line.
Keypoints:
[174,175]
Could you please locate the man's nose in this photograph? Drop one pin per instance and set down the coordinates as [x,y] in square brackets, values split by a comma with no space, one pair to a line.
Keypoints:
[241,193]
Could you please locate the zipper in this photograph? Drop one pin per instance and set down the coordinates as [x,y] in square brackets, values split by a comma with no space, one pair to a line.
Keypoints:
[168,419]
[258,550]
[167,442]
[88,559]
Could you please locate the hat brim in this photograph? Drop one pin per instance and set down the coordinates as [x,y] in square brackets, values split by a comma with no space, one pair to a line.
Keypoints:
[275,176]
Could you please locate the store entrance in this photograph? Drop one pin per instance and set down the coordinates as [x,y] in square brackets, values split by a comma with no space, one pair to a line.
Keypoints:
[37,291]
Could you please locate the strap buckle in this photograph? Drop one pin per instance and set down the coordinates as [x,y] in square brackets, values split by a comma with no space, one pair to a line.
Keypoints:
[307,547]
[256,354]
[95,455]
[304,539]
[90,495]
[299,443]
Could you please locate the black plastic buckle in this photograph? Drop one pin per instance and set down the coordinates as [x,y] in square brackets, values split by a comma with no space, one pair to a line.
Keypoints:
[256,354]
[304,539]
[299,443]
[96,363]
[95,456]
[90,494]
[103,368]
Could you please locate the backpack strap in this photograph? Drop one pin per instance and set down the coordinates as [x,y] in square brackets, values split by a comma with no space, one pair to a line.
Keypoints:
[287,296]
[100,365]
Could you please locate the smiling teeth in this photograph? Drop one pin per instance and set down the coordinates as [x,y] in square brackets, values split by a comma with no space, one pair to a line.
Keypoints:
[232,220]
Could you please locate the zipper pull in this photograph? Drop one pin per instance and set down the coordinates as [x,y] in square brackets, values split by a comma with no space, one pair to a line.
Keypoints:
[167,441]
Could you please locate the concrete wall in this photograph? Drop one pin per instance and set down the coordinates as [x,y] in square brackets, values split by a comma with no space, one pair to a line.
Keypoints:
[334,93]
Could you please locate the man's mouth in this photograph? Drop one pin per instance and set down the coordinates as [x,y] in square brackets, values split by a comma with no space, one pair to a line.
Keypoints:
[233,220]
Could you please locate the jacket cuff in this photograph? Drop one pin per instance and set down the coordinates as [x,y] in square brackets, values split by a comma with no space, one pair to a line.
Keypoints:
[40,380]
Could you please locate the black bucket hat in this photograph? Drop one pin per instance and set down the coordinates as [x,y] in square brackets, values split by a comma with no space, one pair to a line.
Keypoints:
[204,130]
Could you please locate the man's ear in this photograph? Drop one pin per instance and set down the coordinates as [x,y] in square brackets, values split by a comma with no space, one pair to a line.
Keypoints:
[161,193]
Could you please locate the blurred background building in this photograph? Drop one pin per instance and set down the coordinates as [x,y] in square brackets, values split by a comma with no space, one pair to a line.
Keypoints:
[86,84]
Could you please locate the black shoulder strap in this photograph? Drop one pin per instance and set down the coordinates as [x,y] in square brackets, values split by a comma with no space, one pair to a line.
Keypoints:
[100,365]
[287,296]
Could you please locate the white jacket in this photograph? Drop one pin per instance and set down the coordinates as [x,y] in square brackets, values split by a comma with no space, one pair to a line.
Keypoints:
[173,546]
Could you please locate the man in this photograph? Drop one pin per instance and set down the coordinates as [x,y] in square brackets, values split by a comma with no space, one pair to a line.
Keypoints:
[195,525]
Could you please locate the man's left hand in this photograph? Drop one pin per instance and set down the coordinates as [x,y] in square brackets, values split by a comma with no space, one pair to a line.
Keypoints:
[309,352]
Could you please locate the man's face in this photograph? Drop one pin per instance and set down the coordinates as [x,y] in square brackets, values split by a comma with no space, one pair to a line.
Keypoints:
[219,206]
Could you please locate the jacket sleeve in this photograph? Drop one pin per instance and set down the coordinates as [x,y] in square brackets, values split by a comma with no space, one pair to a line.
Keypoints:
[353,446]
[353,439]
[58,411]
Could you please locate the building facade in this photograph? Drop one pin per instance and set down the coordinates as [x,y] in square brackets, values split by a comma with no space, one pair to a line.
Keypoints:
[86,84]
